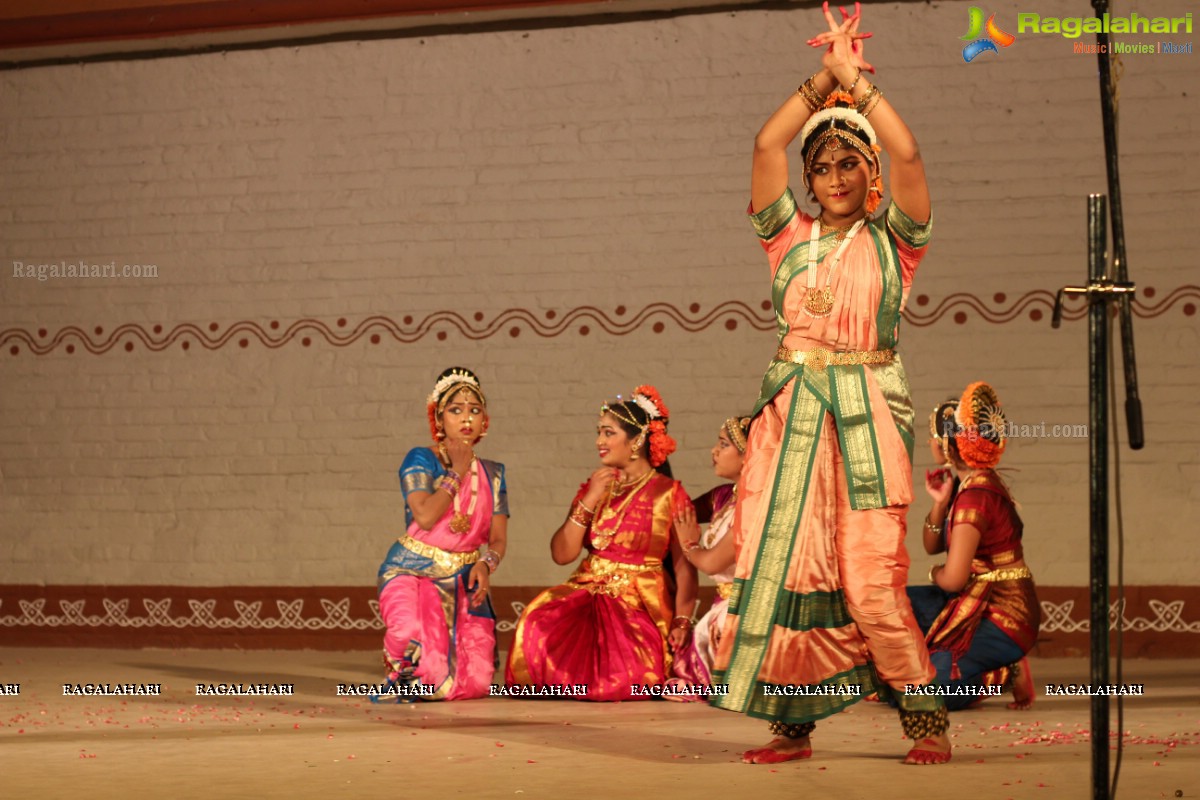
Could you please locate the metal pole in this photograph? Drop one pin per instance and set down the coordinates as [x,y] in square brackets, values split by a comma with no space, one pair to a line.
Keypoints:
[1108,118]
[1098,311]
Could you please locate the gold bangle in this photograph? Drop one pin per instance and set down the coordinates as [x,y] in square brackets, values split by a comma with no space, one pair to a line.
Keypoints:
[809,94]
[932,527]
[933,573]
[808,101]
[581,515]
[871,91]
[875,102]
[857,78]
[582,511]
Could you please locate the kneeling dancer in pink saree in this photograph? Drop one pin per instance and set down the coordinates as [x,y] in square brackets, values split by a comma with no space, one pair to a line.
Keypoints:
[433,586]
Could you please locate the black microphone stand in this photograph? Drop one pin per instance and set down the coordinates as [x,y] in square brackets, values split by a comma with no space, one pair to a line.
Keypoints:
[1100,291]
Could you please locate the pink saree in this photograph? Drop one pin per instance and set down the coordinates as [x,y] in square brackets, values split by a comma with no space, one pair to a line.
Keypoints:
[434,638]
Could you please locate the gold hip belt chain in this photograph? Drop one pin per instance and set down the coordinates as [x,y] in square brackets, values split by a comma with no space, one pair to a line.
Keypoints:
[819,357]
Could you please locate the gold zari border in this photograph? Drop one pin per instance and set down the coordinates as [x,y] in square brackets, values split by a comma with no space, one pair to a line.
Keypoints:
[1009,574]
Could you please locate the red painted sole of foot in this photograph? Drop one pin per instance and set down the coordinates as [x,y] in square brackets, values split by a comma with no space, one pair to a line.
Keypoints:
[923,757]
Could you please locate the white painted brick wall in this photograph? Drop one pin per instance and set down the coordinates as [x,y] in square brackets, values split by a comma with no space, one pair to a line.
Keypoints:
[548,170]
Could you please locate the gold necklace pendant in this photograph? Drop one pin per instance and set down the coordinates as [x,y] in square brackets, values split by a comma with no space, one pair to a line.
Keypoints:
[818,302]
[460,523]
[839,234]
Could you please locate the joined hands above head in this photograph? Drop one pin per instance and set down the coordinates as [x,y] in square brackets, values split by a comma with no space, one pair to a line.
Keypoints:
[844,46]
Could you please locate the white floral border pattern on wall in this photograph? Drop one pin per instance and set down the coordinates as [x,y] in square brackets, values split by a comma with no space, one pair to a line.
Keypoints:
[1168,618]
[1056,617]
[116,615]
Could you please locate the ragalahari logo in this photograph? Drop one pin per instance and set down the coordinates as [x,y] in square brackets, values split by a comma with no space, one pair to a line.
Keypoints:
[978,42]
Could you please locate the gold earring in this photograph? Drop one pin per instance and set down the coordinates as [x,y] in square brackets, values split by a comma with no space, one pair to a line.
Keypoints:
[637,445]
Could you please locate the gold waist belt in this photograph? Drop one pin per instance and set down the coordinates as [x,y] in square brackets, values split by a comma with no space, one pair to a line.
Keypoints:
[1008,574]
[443,558]
[724,590]
[597,574]
[601,566]
[819,357]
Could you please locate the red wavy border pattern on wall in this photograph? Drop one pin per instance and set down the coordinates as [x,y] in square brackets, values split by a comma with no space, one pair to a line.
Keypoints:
[1034,306]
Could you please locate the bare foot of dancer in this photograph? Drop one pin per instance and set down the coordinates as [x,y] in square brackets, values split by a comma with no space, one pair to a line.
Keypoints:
[1022,686]
[779,750]
[931,750]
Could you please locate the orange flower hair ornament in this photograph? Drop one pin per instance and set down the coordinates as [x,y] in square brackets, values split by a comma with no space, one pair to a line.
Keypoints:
[647,398]
[661,443]
[983,428]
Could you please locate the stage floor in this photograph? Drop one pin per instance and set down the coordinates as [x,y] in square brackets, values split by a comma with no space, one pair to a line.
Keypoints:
[317,744]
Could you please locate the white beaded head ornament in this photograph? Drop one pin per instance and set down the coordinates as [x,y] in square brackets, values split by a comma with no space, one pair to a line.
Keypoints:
[456,377]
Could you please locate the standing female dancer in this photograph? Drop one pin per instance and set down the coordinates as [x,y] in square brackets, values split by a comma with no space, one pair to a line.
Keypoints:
[617,621]
[818,600]
[433,585]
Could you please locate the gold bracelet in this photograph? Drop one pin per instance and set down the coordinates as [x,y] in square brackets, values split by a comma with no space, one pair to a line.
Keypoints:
[932,527]
[808,101]
[873,92]
[933,573]
[857,78]
[809,94]
[581,515]
[870,92]
[875,102]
